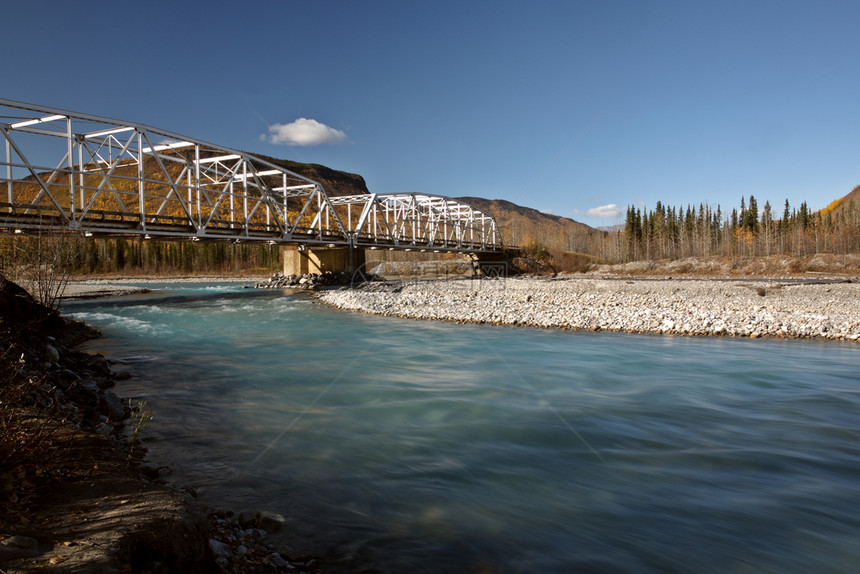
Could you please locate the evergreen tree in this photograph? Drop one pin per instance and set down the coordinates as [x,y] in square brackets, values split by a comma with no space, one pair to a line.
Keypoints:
[803,216]
[119,255]
[751,216]
[92,256]
[767,226]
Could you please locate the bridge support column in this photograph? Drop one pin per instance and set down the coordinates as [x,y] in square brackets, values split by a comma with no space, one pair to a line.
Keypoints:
[321,260]
[492,264]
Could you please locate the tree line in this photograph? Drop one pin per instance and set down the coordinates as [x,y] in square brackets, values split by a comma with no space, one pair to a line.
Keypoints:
[676,232]
[665,232]
[90,256]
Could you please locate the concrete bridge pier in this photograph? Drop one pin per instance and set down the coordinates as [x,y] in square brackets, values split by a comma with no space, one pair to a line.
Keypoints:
[492,264]
[300,260]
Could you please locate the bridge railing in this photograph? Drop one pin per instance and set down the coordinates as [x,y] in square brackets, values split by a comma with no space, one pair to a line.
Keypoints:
[65,170]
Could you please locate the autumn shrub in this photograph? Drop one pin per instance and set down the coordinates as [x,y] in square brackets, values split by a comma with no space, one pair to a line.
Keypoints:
[575,262]
[40,262]
[797,266]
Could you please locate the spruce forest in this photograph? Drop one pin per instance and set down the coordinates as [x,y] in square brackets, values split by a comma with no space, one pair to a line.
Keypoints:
[748,231]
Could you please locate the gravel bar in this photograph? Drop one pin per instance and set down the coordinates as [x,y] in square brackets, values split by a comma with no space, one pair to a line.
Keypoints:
[815,310]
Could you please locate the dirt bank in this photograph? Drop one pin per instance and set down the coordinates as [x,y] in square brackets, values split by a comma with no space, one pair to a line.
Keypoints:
[764,267]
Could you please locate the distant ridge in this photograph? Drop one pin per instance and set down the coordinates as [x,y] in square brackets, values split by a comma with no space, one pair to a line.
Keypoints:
[524,226]
[612,228]
[336,183]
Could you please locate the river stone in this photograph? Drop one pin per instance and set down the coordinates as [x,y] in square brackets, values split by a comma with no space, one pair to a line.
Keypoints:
[269,521]
[219,549]
[89,386]
[111,406]
[253,535]
[150,471]
[52,353]
[106,383]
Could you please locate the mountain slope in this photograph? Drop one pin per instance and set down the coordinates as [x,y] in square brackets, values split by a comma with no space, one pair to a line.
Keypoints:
[336,183]
[524,226]
[843,204]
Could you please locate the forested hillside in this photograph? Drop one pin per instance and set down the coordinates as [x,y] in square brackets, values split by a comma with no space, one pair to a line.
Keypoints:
[336,183]
[843,204]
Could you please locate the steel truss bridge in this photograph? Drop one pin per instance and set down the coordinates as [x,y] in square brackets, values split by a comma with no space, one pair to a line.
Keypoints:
[67,171]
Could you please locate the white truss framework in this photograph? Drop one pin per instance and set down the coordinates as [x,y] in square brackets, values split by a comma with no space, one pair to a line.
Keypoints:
[68,171]
[418,221]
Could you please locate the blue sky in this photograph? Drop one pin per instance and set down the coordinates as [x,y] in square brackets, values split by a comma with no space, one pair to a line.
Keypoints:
[570,107]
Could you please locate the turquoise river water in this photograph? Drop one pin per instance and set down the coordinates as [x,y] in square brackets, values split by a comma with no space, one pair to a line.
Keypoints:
[393,445]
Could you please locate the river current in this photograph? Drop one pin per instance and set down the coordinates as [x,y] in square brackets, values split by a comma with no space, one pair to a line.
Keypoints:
[394,445]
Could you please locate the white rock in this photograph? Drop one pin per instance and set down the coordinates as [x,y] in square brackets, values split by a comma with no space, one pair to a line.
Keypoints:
[52,353]
[697,306]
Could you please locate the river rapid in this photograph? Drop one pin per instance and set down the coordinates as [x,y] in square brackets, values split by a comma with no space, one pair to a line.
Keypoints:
[395,445]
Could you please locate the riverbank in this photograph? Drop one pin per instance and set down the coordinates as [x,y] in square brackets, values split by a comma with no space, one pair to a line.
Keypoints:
[789,308]
[76,494]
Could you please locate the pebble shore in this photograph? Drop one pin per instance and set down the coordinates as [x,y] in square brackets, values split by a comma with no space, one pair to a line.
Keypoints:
[785,309]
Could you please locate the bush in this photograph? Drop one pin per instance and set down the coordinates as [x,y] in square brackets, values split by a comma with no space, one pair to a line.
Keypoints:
[575,262]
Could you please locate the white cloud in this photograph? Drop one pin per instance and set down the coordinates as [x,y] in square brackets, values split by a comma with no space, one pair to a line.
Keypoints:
[609,211]
[547,211]
[303,132]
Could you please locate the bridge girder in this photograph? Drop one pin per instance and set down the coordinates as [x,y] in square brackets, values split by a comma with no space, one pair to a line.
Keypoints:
[68,171]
